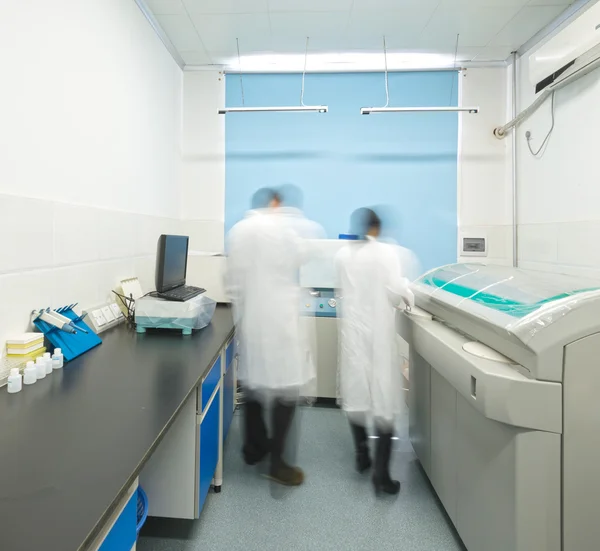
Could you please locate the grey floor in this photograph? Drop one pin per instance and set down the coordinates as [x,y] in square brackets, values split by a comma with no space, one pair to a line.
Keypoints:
[334,510]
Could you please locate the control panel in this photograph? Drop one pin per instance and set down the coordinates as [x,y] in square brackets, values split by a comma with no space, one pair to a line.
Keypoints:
[319,303]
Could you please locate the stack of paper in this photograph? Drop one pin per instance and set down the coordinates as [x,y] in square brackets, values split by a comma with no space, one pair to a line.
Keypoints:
[27,344]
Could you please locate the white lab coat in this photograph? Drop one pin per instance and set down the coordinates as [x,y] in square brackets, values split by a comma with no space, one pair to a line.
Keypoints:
[265,254]
[372,286]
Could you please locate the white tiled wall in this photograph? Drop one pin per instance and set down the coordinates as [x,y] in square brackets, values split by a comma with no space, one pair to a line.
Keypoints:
[54,254]
[559,193]
[90,152]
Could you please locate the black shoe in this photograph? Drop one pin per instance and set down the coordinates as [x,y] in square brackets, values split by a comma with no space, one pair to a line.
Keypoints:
[363,461]
[286,475]
[254,457]
[382,481]
[388,486]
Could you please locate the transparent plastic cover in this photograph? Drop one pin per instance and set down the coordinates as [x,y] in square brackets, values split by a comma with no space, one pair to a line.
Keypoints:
[195,313]
[523,302]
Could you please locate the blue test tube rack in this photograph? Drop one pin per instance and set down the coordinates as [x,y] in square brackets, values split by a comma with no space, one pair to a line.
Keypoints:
[71,344]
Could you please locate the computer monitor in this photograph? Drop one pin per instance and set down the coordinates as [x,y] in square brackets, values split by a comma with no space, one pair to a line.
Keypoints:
[171,262]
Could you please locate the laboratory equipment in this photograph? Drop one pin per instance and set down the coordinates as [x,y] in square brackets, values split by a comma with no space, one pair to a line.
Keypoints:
[171,269]
[72,342]
[318,309]
[40,368]
[48,317]
[30,374]
[503,404]
[157,313]
[57,359]
[47,362]
[15,381]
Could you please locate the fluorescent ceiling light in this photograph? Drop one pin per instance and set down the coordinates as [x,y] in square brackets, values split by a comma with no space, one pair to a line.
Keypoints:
[347,61]
[369,110]
[299,108]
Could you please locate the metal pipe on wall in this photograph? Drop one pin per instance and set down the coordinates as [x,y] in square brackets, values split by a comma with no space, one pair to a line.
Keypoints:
[515,229]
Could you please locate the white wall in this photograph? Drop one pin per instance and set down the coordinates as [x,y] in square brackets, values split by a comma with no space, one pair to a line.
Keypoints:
[559,194]
[203,178]
[484,184]
[90,105]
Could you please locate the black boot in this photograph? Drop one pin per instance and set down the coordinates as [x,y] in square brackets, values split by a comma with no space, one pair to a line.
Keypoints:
[280,471]
[363,461]
[381,477]
[256,443]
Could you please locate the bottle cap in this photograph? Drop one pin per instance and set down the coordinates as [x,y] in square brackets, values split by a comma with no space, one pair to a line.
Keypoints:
[30,364]
[46,355]
[14,371]
[57,351]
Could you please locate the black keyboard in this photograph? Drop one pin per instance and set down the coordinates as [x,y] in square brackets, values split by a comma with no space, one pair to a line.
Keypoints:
[181,294]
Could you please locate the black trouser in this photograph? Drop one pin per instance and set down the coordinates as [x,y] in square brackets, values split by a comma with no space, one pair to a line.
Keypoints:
[256,441]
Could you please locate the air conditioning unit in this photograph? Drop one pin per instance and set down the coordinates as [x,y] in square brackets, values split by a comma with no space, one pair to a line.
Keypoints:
[571,49]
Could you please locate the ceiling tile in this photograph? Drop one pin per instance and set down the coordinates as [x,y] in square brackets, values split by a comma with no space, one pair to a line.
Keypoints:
[484,3]
[526,23]
[392,5]
[397,24]
[166,7]
[219,32]
[226,6]
[276,6]
[196,58]
[180,31]
[564,3]
[475,25]
[313,25]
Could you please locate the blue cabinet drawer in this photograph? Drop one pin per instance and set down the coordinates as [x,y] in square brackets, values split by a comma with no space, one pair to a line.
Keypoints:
[228,401]
[229,353]
[123,534]
[209,448]
[210,382]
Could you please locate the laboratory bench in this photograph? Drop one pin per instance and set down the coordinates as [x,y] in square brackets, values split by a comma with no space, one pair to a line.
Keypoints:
[152,408]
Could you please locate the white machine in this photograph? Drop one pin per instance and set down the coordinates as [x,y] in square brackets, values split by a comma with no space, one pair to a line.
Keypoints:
[504,404]
[319,313]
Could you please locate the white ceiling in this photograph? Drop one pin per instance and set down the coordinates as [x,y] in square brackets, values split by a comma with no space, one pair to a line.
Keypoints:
[204,32]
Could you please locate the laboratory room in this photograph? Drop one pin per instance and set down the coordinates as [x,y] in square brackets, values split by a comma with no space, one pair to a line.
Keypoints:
[295,275]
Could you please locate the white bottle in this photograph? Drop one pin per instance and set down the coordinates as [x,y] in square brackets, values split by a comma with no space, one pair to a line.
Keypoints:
[15,381]
[48,363]
[40,367]
[58,359]
[30,374]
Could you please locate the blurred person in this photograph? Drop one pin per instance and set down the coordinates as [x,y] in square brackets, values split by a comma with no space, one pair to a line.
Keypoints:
[265,253]
[372,287]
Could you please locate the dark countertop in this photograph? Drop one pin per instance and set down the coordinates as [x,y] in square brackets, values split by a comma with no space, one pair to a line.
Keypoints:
[73,443]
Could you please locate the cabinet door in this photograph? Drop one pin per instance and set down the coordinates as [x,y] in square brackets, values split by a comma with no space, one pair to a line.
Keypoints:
[419,409]
[228,400]
[122,535]
[209,448]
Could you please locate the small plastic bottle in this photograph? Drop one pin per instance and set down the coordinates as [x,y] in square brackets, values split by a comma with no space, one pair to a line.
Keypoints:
[40,367]
[15,381]
[29,374]
[58,359]
[48,362]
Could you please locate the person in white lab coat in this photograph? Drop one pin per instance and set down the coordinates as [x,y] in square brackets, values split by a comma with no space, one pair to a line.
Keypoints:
[371,287]
[265,253]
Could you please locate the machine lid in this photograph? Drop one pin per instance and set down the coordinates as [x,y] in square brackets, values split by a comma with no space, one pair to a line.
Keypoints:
[520,301]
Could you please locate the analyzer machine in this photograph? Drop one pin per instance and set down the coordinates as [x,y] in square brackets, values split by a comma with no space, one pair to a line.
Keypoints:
[504,404]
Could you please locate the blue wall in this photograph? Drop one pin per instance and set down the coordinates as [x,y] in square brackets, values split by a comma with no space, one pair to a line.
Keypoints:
[343,160]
